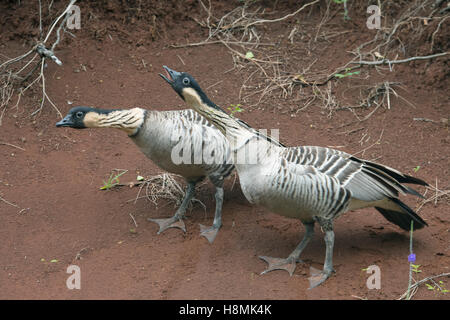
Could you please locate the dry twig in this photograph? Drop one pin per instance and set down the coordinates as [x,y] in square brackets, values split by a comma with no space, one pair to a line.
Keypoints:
[437,195]
[11,76]
[7,202]
[11,145]
[390,62]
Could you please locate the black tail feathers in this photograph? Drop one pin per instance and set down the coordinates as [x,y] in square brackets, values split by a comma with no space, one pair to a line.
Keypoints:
[403,218]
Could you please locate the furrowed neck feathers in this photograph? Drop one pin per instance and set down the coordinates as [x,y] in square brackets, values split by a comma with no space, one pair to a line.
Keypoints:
[127,120]
[229,126]
[237,131]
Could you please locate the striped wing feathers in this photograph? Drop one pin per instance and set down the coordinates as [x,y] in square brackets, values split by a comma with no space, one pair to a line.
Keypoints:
[365,180]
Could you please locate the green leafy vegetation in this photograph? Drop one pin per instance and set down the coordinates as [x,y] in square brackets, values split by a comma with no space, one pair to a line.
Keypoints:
[415,268]
[346,74]
[439,287]
[233,108]
[113,180]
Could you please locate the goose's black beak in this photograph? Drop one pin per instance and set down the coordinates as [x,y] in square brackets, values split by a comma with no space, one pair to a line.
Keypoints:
[172,75]
[66,122]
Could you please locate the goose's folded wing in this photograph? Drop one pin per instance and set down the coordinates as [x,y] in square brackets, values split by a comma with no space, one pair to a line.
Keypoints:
[365,180]
[315,191]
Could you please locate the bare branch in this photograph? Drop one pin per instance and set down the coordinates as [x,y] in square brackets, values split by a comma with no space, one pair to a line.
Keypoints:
[72,2]
[389,62]
[283,18]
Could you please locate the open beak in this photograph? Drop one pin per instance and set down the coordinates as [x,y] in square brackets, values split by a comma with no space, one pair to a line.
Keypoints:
[66,122]
[172,75]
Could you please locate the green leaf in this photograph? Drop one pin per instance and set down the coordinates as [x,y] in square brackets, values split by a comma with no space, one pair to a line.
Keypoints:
[347,74]
[429,286]
[249,55]
[54,260]
[415,268]
[235,108]
[112,180]
[140,178]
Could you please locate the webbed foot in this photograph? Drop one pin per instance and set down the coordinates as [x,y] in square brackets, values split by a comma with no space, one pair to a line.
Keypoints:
[318,277]
[209,233]
[174,222]
[288,264]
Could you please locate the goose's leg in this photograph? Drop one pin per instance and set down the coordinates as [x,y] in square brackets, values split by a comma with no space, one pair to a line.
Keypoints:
[289,263]
[210,233]
[177,220]
[318,277]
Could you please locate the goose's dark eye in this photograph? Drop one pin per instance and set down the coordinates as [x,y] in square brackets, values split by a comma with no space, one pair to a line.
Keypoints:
[79,114]
[186,81]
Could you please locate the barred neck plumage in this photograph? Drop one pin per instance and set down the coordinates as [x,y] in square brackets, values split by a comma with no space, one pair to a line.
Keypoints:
[236,134]
[129,120]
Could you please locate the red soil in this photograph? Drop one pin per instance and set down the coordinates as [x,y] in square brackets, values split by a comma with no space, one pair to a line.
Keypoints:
[61,214]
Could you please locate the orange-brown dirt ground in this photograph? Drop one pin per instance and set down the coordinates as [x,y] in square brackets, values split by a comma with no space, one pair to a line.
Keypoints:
[53,213]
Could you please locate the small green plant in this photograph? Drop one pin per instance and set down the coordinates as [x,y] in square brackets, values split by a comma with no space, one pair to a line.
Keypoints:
[249,55]
[113,180]
[415,268]
[235,108]
[442,288]
[416,169]
[439,287]
[346,74]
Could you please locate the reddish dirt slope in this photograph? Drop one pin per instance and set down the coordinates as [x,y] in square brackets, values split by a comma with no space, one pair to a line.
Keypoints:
[61,214]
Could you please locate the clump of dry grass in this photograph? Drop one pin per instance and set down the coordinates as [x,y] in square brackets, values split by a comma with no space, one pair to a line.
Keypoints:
[163,186]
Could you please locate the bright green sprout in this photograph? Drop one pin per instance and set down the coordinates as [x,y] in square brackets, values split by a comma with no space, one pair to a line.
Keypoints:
[415,268]
[347,74]
[235,108]
[113,180]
